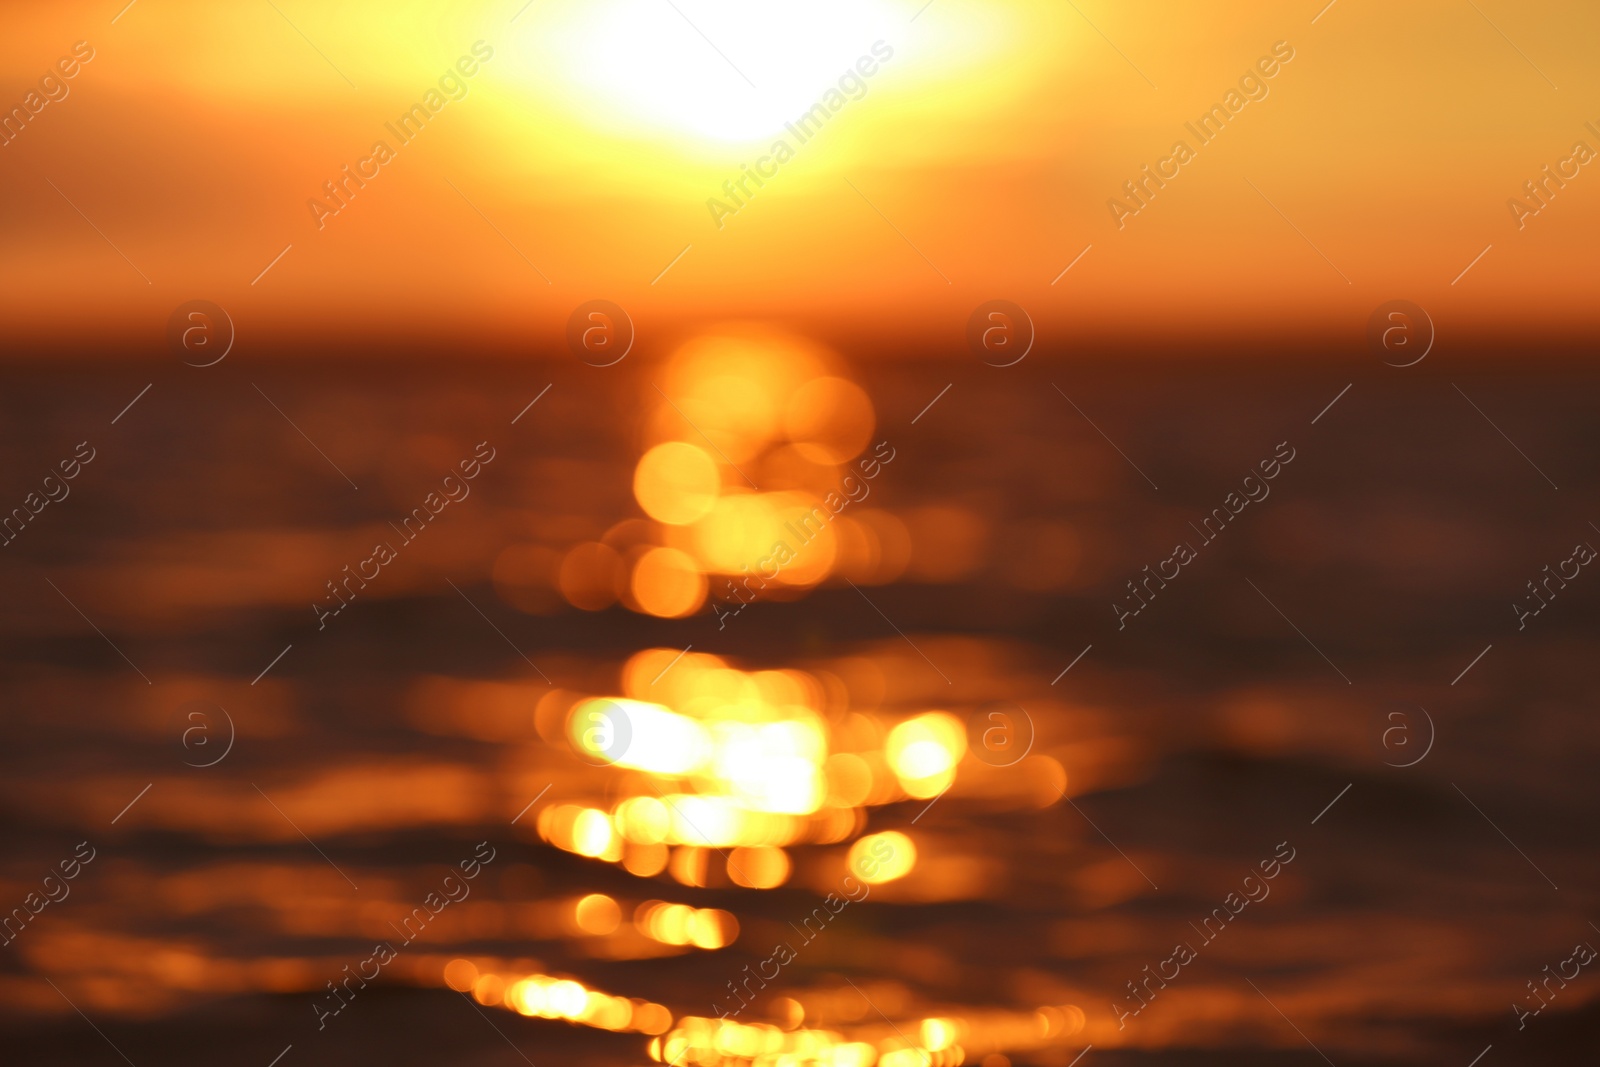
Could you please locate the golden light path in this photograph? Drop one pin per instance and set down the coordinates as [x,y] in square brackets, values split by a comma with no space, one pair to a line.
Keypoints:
[725,772]
[742,761]
[761,474]
[940,1041]
[755,475]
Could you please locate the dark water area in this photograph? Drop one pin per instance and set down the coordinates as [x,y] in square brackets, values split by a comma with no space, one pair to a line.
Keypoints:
[1343,757]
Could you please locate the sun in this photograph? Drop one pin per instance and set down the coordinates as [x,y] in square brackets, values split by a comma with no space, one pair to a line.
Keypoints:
[717,69]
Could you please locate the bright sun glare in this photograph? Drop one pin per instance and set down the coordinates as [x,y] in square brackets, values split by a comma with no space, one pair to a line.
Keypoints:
[717,68]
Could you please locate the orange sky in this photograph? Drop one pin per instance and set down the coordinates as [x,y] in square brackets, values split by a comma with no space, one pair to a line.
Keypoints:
[976,163]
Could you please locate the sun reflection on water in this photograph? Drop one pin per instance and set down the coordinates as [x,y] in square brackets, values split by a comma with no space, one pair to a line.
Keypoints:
[746,761]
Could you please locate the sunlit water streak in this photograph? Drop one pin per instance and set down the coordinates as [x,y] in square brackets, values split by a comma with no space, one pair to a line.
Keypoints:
[644,883]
